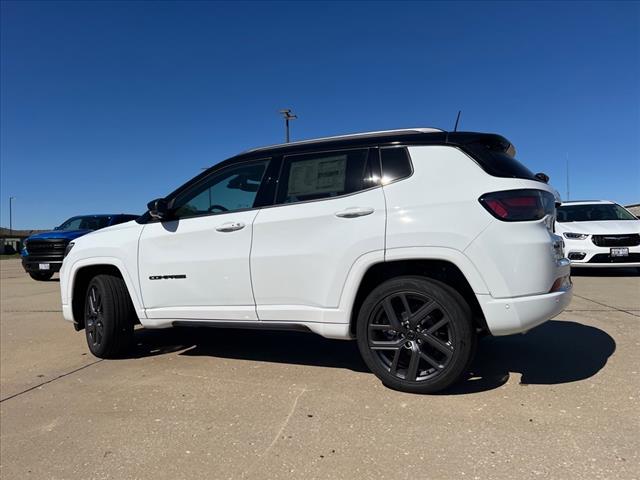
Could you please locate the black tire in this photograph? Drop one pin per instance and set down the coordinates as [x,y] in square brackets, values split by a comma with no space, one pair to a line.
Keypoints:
[430,341]
[109,316]
[41,276]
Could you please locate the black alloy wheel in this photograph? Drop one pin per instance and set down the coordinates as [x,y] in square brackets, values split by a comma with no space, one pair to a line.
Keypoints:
[109,316]
[94,318]
[415,334]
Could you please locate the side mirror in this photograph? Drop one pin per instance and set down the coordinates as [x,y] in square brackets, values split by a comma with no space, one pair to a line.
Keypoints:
[158,208]
[543,177]
[57,228]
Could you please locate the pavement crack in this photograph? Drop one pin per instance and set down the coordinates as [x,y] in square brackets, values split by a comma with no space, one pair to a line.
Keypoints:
[293,408]
[629,312]
[49,381]
[285,423]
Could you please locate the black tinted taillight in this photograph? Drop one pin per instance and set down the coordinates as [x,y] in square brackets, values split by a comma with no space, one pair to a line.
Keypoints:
[519,205]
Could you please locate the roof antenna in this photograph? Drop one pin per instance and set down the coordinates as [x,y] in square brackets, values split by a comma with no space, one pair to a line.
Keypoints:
[455,129]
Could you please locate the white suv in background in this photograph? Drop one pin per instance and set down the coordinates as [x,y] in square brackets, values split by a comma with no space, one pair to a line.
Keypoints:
[599,233]
[414,242]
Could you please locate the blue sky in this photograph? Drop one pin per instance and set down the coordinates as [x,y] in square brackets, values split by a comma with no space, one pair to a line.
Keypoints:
[106,105]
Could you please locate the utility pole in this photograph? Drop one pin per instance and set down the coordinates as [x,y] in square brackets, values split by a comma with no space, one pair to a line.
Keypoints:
[11,199]
[286,113]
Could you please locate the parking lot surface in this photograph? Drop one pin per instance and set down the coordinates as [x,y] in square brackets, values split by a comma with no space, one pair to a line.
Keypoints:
[560,402]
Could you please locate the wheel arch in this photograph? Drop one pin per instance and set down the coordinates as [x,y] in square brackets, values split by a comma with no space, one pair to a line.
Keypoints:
[80,279]
[444,271]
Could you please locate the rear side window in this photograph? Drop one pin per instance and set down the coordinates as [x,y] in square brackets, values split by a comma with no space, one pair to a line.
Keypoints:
[494,159]
[324,175]
[396,164]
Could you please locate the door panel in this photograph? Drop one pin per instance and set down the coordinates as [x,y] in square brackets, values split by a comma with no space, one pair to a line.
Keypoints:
[196,268]
[302,252]
[197,264]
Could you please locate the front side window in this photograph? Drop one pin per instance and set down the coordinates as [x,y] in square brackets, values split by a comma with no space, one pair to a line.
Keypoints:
[324,175]
[231,189]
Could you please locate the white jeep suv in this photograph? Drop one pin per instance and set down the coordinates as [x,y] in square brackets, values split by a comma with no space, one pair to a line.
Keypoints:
[414,242]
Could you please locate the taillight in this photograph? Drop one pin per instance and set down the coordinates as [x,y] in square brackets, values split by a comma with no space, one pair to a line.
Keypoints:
[519,205]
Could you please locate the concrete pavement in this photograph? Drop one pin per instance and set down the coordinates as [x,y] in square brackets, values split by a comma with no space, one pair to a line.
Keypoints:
[559,402]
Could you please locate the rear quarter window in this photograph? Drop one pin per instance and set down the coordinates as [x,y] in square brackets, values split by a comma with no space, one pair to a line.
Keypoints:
[396,164]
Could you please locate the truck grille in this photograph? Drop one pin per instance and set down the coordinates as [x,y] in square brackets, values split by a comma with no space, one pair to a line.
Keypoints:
[627,240]
[46,250]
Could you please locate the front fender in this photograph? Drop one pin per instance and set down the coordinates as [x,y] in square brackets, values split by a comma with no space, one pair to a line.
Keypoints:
[69,274]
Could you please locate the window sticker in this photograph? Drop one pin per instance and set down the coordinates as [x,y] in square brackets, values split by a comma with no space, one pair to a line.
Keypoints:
[318,175]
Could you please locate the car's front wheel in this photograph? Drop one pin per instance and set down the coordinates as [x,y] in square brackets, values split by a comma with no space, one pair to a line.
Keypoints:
[416,334]
[41,276]
[109,316]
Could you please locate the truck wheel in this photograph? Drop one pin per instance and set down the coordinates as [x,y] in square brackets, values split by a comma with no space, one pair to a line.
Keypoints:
[416,334]
[41,276]
[109,316]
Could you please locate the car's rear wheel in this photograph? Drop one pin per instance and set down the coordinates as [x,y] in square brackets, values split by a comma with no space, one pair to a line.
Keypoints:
[416,334]
[41,276]
[109,316]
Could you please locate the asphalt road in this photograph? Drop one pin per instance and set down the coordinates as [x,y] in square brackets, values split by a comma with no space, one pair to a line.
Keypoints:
[562,401]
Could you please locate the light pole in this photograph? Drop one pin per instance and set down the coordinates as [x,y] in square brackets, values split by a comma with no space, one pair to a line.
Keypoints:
[11,199]
[286,112]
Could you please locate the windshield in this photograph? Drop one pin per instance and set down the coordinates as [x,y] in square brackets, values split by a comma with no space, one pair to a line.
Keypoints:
[593,212]
[91,222]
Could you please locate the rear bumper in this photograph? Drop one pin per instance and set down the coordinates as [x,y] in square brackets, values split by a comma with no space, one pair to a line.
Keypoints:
[506,316]
[33,266]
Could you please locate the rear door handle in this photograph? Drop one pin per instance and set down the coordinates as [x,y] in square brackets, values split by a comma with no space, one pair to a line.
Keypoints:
[230,227]
[354,212]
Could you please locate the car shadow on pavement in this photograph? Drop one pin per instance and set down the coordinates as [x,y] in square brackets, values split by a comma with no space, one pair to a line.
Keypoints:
[555,352]
[246,344]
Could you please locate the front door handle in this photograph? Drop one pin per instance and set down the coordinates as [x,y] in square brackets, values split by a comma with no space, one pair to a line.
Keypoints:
[354,212]
[230,227]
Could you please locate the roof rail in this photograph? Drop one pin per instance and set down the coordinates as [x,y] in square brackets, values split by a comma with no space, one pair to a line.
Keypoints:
[351,136]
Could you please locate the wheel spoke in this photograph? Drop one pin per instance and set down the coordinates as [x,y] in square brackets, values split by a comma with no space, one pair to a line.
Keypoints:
[438,325]
[92,307]
[379,326]
[412,370]
[391,314]
[386,344]
[431,361]
[436,343]
[99,328]
[422,312]
[91,330]
[394,364]
[405,304]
